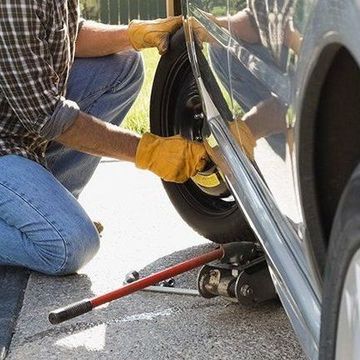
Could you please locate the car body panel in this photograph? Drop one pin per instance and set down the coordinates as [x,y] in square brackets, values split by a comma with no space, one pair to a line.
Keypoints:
[286,260]
[278,65]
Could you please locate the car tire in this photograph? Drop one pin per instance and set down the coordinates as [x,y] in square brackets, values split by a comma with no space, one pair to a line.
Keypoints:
[340,321]
[176,109]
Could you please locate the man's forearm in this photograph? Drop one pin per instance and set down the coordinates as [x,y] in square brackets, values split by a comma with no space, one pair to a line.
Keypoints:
[92,136]
[96,39]
[243,27]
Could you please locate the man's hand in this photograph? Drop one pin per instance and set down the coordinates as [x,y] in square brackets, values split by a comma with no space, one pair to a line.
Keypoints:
[153,33]
[174,158]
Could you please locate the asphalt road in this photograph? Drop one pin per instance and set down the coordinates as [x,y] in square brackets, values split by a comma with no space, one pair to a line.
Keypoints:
[143,231]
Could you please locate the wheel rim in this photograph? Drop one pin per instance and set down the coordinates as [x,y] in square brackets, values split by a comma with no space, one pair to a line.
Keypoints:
[182,101]
[348,331]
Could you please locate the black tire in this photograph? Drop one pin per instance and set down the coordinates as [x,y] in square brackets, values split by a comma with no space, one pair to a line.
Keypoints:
[344,243]
[175,102]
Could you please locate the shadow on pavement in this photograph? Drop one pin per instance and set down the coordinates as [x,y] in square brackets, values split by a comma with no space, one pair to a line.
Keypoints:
[12,287]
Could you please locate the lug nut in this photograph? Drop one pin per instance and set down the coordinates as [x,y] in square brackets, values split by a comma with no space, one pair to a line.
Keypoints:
[246,290]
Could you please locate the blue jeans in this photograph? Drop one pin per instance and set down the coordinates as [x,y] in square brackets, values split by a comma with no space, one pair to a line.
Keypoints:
[42,225]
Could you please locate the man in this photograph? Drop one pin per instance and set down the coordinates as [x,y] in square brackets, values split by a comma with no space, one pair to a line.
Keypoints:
[51,106]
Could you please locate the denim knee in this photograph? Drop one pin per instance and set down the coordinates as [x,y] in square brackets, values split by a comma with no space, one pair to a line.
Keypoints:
[134,71]
[138,73]
[79,244]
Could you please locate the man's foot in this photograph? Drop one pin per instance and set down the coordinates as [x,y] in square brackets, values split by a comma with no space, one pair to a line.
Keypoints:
[99,226]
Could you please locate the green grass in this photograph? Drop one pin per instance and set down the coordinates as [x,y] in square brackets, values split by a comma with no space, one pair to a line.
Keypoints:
[138,117]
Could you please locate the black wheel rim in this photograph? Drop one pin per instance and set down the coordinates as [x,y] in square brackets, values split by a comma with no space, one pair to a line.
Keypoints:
[181,111]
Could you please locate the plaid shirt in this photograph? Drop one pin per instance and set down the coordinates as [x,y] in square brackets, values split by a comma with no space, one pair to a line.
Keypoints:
[37,47]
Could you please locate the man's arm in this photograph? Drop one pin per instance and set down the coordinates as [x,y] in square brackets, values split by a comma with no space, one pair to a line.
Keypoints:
[100,40]
[241,25]
[93,136]
[96,39]
[173,158]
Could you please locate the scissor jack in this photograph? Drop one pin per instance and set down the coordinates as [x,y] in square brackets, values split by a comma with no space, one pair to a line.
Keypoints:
[236,270]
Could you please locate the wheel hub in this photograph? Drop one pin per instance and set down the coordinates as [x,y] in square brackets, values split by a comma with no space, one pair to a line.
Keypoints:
[189,122]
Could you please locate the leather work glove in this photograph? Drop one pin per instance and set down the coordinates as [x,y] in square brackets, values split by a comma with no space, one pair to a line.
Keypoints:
[153,33]
[174,158]
[244,137]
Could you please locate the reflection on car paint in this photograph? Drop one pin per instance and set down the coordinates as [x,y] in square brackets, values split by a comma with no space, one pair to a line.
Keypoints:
[255,52]
[272,77]
[252,48]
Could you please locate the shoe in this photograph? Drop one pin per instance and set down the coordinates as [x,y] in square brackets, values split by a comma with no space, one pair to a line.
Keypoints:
[99,226]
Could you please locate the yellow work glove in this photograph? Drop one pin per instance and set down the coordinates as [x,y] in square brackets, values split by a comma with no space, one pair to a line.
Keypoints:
[174,158]
[244,137]
[153,33]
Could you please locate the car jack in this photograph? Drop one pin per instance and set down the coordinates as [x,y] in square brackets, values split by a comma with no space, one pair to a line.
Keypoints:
[241,274]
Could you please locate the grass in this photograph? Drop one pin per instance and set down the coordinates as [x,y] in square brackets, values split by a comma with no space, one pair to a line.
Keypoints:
[138,117]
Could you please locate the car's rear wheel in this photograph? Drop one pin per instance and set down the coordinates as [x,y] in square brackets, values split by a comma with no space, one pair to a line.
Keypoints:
[204,202]
[340,324]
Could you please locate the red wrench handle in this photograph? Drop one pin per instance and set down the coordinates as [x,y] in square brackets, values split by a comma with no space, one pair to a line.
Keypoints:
[86,305]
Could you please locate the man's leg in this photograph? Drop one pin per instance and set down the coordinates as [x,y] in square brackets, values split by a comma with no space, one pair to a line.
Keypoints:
[106,88]
[42,225]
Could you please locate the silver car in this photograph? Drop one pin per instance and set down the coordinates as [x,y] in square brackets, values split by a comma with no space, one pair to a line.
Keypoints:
[272,87]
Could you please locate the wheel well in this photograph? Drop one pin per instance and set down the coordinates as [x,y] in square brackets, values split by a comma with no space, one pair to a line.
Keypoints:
[329,142]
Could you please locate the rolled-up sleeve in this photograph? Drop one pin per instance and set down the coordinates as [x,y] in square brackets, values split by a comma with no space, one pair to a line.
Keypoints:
[28,80]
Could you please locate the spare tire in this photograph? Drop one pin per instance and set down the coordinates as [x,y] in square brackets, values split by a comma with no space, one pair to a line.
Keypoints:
[205,202]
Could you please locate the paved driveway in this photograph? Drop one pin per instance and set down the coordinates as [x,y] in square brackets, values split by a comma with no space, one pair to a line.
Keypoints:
[143,231]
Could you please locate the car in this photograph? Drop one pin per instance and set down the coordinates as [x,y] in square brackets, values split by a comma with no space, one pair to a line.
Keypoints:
[272,88]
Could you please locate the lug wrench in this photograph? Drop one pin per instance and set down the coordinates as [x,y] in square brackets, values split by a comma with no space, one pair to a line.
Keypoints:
[165,287]
[170,290]
[86,305]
